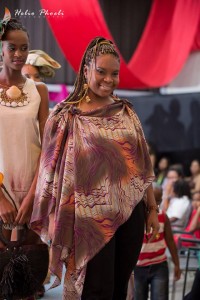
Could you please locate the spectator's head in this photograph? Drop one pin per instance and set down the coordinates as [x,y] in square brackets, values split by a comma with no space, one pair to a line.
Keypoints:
[181,188]
[163,164]
[196,199]
[195,167]
[175,172]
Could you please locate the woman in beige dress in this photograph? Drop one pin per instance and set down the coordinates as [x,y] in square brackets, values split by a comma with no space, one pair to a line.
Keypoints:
[23,113]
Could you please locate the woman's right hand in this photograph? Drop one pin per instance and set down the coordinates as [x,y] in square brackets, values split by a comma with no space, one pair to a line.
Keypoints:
[7,211]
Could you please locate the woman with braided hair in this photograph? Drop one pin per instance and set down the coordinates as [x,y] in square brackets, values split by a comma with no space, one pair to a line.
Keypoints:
[23,113]
[94,175]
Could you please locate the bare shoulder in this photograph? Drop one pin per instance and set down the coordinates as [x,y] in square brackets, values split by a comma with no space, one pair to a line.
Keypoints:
[44,104]
[43,91]
[41,87]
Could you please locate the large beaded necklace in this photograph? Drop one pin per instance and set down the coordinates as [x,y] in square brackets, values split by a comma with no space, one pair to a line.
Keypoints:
[13,96]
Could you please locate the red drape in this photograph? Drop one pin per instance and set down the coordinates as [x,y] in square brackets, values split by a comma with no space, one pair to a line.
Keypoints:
[196,42]
[169,35]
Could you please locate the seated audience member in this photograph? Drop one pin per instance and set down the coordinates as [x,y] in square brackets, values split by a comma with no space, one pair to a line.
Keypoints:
[179,208]
[174,173]
[195,200]
[40,66]
[152,268]
[194,223]
[163,165]
[194,294]
[194,179]
[193,227]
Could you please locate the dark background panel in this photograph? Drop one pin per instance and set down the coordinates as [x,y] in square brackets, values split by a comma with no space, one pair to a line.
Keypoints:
[126,21]
[171,125]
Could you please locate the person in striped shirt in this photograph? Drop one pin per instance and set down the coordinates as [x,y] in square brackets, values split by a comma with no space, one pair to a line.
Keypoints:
[151,271]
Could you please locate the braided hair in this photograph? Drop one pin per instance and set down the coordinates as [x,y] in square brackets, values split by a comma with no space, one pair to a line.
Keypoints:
[12,24]
[98,46]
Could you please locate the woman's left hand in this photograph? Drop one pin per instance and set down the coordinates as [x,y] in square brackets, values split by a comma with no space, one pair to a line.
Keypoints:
[25,211]
[152,225]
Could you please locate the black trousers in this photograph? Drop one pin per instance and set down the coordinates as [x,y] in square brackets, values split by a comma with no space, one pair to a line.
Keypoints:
[109,271]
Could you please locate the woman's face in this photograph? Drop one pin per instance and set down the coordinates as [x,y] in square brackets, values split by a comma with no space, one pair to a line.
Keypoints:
[102,77]
[194,167]
[31,72]
[163,164]
[196,200]
[15,49]
[172,176]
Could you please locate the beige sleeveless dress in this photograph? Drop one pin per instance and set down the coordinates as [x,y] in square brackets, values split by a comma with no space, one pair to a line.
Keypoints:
[20,144]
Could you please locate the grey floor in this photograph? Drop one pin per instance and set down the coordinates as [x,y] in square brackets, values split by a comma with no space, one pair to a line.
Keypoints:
[53,294]
[56,293]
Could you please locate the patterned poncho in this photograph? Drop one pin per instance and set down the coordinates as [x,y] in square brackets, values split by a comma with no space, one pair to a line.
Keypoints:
[95,168]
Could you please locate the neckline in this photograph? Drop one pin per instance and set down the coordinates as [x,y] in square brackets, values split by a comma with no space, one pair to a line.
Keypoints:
[114,98]
[20,86]
[101,111]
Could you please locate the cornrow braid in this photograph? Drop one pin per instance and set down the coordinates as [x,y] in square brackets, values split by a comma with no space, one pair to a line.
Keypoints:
[98,46]
[13,24]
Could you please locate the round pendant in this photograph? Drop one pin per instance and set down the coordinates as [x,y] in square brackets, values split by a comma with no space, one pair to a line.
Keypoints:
[13,92]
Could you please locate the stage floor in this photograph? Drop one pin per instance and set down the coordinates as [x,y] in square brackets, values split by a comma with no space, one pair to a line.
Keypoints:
[56,293]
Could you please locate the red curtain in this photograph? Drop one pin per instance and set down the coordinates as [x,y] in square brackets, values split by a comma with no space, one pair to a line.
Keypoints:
[196,42]
[171,32]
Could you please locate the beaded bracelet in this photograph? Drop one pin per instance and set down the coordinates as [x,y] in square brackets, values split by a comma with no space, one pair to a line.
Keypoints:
[152,207]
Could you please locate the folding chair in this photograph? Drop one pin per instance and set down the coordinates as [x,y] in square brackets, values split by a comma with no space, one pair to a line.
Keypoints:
[192,252]
[188,257]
